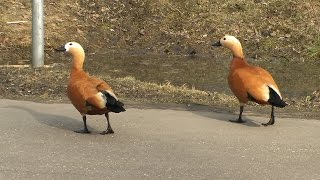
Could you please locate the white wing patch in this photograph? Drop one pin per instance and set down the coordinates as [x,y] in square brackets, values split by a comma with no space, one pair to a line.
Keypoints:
[265,91]
[103,98]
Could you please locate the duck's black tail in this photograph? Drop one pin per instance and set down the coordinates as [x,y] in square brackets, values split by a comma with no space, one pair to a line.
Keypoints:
[113,104]
[275,99]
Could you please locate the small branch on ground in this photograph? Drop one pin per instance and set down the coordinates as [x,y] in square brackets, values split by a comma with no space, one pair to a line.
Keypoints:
[16,22]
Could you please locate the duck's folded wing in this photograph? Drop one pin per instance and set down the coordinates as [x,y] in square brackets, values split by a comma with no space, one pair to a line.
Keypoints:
[257,83]
[104,97]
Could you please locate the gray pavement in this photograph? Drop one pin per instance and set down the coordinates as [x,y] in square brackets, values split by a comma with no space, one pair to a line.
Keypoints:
[37,142]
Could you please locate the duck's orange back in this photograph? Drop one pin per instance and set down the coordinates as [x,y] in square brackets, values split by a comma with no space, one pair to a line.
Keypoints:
[250,82]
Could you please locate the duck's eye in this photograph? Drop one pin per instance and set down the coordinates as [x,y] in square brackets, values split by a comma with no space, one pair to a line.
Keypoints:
[70,44]
[224,39]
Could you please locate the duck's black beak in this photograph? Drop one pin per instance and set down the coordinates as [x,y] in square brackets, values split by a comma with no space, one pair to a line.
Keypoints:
[60,49]
[217,44]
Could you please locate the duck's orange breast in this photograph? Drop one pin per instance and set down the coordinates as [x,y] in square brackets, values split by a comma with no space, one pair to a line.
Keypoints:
[250,82]
[76,91]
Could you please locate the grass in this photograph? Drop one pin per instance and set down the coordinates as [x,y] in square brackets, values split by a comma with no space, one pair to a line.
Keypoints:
[275,27]
[49,85]
[314,50]
[168,93]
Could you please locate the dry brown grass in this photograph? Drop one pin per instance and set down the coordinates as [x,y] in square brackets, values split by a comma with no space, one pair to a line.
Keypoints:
[49,85]
[151,92]
[274,28]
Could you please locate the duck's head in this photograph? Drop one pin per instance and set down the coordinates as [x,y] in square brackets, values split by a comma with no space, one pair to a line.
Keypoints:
[76,51]
[71,47]
[231,43]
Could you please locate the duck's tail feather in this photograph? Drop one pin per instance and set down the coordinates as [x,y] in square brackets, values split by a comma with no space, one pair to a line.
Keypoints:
[275,99]
[113,104]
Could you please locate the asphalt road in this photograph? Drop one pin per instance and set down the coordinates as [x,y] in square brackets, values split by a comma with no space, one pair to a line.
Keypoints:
[37,142]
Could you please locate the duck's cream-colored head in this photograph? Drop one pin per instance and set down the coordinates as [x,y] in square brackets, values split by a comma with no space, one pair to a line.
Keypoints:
[231,43]
[76,51]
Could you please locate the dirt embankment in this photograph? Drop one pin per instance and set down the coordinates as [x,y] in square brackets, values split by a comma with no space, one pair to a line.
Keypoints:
[277,29]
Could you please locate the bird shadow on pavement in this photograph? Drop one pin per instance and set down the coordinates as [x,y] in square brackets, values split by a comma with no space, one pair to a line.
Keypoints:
[212,112]
[58,121]
[220,114]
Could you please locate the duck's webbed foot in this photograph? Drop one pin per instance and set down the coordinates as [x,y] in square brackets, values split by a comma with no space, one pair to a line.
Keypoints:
[108,131]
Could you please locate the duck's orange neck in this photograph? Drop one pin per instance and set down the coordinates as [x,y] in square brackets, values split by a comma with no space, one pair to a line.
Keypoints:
[237,51]
[77,60]
[238,63]
[238,56]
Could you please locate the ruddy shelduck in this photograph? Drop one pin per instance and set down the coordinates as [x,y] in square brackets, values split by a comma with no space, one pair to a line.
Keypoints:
[89,95]
[250,83]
